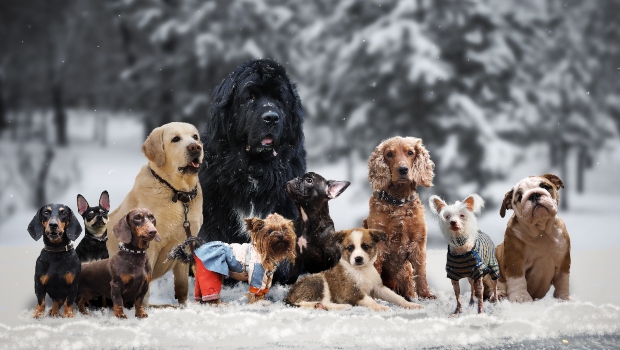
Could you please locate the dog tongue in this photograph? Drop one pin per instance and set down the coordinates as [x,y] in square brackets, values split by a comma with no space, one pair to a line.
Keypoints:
[195,164]
[267,141]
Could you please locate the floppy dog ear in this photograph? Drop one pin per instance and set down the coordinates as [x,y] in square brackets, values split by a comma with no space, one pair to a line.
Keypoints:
[82,204]
[474,203]
[122,231]
[377,235]
[335,188]
[436,204]
[423,166]
[378,171]
[507,203]
[104,200]
[74,230]
[254,224]
[555,180]
[35,228]
[153,147]
[340,235]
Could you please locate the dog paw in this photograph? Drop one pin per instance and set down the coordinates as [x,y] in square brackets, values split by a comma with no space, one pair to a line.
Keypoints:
[413,306]
[521,297]
[426,295]
[121,316]
[380,307]
[38,314]
[141,315]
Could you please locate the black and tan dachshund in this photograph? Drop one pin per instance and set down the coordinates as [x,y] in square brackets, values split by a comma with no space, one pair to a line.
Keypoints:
[124,277]
[58,267]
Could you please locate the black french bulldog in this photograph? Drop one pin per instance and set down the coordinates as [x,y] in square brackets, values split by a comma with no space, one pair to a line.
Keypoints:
[93,245]
[57,270]
[314,228]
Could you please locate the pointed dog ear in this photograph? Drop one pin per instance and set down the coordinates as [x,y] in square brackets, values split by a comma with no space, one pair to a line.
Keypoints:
[82,204]
[507,203]
[555,180]
[104,200]
[474,203]
[423,166]
[122,231]
[35,228]
[153,147]
[335,188]
[74,230]
[377,235]
[436,204]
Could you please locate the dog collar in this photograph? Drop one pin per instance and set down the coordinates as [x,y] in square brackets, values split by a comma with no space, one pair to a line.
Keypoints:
[386,197]
[459,241]
[66,248]
[122,247]
[183,196]
[102,239]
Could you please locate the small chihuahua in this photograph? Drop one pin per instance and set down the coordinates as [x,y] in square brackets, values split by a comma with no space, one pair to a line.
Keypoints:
[471,253]
[93,245]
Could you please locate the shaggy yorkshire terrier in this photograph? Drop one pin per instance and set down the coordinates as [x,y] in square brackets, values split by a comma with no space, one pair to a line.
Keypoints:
[272,241]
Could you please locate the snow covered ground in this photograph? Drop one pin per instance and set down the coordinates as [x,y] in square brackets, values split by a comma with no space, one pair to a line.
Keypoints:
[591,321]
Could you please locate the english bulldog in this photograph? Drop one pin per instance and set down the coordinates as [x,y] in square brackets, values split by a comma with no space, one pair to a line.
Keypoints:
[535,253]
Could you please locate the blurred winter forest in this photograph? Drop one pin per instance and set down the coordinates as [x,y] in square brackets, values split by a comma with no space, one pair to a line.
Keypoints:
[480,82]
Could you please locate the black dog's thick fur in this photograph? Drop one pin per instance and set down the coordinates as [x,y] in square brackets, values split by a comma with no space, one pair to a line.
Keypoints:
[254,144]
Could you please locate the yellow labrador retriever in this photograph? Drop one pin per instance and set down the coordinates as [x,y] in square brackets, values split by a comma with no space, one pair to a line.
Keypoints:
[167,186]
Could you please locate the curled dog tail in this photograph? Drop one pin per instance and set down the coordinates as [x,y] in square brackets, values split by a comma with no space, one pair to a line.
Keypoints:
[179,252]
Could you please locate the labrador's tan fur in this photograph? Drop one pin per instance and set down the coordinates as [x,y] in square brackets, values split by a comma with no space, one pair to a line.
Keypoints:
[165,157]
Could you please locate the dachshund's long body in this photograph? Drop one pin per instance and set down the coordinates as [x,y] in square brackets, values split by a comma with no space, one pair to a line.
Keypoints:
[58,267]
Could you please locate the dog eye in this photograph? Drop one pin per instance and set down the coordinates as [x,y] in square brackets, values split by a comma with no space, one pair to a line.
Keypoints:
[546,187]
[90,215]
[410,153]
[195,137]
[309,180]
[462,216]
[176,139]
[365,246]
[270,231]
[389,155]
[350,248]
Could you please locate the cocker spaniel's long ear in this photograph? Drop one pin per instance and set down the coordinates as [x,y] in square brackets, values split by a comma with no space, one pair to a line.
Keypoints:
[423,166]
[153,147]
[507,203]
[379,173]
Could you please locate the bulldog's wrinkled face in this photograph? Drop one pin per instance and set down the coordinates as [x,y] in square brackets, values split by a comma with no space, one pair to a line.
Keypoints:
[534,199]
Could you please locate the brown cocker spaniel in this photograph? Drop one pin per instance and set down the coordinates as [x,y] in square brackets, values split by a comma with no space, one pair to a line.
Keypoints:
[395,168]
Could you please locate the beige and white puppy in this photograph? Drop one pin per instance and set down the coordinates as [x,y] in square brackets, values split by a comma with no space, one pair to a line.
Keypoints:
[535,253]
[174,154]
[354,281]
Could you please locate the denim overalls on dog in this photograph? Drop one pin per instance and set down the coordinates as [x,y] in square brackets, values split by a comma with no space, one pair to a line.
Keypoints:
[222,258]
[478,262]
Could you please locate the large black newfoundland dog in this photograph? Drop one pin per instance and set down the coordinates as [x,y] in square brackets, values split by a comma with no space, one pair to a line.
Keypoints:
[253,145]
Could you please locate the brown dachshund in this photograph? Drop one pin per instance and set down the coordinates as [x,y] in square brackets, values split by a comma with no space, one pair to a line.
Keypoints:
[395,168]
[124,277]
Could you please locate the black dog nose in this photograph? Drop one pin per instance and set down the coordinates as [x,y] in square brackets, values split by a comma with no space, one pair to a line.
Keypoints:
[194,147]
[403,170]
[152,232]
[359,260]
[534,197]
[280,237]
[453,223]
[53,225]
[270,117]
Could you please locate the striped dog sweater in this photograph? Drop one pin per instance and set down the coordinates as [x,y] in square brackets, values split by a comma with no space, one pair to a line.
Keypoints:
[476,263]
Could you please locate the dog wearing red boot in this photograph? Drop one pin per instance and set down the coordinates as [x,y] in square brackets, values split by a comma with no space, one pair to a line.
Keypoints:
[272,241]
